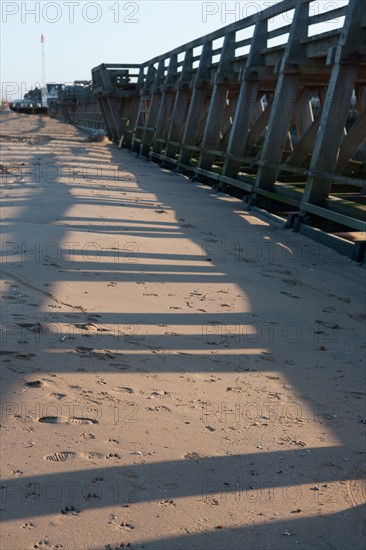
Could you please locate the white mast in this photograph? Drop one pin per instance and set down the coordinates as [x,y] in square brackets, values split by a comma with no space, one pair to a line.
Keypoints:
[43,83]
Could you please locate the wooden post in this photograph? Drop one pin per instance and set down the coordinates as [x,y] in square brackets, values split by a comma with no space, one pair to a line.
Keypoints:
[216,110]
[114,117]
[335,110]
[154,107]
[284,101]
[197,102]
[165,106]
[246,101]
[143,86]
[130,113]
[356,135]
[180,108]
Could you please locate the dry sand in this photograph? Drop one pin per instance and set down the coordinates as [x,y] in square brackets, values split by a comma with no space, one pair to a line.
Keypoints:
[177,373]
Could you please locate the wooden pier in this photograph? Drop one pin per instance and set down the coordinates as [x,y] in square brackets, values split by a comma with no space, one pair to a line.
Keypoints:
[283,125]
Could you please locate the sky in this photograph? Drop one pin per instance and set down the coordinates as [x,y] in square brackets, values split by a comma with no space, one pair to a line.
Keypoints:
[81,34]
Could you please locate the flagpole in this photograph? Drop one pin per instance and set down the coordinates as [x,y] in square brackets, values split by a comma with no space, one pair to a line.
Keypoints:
[43,83]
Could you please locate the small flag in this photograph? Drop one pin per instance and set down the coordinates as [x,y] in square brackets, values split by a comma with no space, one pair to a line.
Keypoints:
[42,39]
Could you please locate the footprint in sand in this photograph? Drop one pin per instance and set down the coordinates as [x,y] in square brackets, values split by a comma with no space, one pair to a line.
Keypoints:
[82,420]
[357,316]
[91,495]
[167,502]
[69,511]
[92,455]
[56,395]
[116,456]
[119,546]
[52,420]
[25,356]
[29,526]
[87,436]
[289,294]
[161,408]
[124,389]
[194,456]
[63,420]
[46,544]
[292,282]
[35,384]
[126,525]
[60,457]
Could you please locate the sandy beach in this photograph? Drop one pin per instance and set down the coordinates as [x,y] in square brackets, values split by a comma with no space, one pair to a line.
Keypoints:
[176,372]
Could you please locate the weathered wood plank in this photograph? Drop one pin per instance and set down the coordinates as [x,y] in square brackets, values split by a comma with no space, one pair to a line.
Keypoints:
[283,102]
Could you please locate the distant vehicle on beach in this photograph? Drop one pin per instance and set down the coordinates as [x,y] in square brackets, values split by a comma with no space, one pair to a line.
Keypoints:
[28,107]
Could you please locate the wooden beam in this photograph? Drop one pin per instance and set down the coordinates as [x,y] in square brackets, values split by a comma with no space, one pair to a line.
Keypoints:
[335,111]
[283,103]
[246,102]
[216,109]
[197,103]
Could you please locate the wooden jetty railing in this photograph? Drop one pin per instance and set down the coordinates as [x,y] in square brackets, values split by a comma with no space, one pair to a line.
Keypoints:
[285,123]
[77,104]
